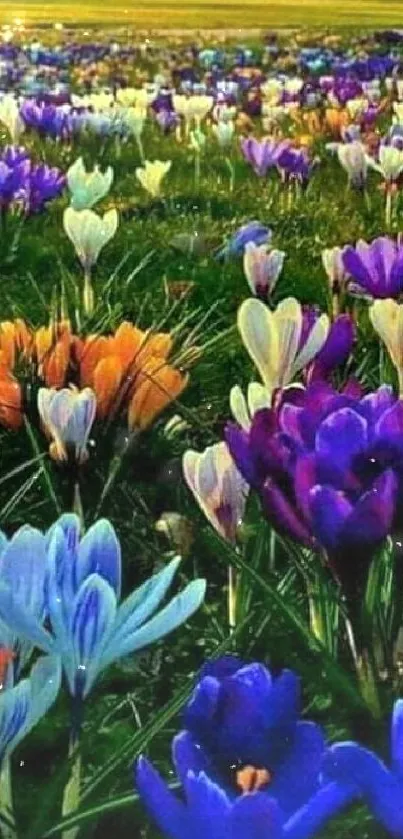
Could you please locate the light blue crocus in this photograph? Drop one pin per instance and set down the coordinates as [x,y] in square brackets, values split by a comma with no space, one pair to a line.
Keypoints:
[22,706]
[87,626]
[23,569]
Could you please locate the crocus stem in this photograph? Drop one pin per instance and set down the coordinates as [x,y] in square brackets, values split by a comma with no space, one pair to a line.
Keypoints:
[140,148]
[71,795]
[272,551]
[231,170]
[8,828]
[400,378]
[88,295]
[77,504]
[197,170]
[388,208]
[232,597]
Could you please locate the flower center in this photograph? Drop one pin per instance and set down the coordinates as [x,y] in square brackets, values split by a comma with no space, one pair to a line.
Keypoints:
[251,779]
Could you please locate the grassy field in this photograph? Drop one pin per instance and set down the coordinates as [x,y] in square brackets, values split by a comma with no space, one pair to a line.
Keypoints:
[206,13]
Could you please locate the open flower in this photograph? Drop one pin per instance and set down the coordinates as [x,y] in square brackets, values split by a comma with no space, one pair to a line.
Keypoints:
[130,371]
[86,625]
[263,155]
[380,787]
[151,175]
[376,268]
[22,706]
[328,467]
[262,268]
[89,233]
[67,416]
[87,188]
[218,487]
[246,763]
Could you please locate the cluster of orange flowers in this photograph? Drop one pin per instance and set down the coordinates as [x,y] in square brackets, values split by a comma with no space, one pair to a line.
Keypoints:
[128,370]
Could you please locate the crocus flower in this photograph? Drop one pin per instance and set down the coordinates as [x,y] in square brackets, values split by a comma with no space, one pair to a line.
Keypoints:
[22,706]
[277,341]
[44,184]
[87,188]
[86,625]
[380,787]
[253,231]
[295,165]
[224,131]
[263,155]
[10,117]
[89,233]
[23,567]
[332,260]
[67,416]
[218,487]
[151,175]
[353,159]
[246,752]
[327,467]
[376,268]
[387,319]
[389,163]
[262,268]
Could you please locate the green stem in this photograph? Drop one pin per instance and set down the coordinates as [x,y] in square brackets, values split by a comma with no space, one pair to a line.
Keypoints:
[232,597]
[231,170]
[140,148]
[88,295]
[71,795]
[388,208]
[197,170]
[7,824]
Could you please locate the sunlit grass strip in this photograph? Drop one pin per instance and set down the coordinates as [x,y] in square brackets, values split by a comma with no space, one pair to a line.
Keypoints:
[195,14]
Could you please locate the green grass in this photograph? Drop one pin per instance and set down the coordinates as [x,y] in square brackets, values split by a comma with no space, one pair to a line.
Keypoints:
[191,14]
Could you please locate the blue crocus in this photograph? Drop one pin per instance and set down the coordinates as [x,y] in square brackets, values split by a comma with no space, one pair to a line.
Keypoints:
[23,569]
[22,706]
[254,231]
[86,625]
[248,767]
[242,728]
[380,787]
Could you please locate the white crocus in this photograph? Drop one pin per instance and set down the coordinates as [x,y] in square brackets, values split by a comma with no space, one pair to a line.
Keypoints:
[354,161]
[89,233]
[224,132]
[67,416]
[87,187]
[390,164]
[386,317]
[151,175]
[273,339]
[134,119]
[262,267]
[10,117]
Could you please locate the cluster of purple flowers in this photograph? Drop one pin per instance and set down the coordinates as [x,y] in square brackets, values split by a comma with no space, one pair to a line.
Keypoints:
[25,184]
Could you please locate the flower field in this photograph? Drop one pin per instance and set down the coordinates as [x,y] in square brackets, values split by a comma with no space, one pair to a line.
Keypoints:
[201,422]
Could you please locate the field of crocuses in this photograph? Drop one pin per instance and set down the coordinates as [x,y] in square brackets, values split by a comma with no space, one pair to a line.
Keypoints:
[201,413]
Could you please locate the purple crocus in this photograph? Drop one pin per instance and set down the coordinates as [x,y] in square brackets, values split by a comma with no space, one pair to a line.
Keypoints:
[263,155]
[335,351]
[295,165]
[48,120]
[328,467]
[375,268]
[44,184]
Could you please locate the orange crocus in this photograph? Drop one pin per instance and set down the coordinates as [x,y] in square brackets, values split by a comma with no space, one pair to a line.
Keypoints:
[10,400]
[53,346]
[335,120]
[158,385]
